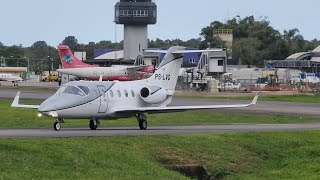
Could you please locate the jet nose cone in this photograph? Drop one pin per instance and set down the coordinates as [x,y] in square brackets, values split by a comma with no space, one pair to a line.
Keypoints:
[47,106]
[44,108]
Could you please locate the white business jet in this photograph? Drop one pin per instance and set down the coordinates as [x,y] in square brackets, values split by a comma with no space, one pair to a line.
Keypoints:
[10,78]
[95,100]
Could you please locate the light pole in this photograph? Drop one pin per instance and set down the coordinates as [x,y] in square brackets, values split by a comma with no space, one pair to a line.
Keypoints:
[115,41]
[28,61]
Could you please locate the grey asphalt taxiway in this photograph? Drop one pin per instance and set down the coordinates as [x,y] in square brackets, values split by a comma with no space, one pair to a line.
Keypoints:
[155,130]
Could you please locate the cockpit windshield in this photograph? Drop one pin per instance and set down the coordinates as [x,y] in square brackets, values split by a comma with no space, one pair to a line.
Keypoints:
[85,89]
[74,90]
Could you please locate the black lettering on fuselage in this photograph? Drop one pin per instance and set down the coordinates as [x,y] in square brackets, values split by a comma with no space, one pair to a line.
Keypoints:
[163,77]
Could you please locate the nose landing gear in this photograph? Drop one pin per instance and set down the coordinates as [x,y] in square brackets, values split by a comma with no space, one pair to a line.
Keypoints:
[94,124]
[56,125]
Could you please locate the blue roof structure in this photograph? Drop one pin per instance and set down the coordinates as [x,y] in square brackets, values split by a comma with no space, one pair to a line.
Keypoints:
[189,59]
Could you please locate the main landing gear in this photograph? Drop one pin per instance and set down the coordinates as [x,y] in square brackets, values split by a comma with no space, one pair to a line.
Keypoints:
[142,120]
[56,125]
[94,124]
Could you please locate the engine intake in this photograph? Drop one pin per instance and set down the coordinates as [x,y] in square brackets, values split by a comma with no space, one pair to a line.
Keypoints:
[153,94]
[144,92]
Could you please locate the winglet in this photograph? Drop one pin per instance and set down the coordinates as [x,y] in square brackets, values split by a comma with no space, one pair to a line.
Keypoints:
[255,99]
[15,102]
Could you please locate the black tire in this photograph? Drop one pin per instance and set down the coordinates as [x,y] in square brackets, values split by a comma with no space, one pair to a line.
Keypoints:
[143,124]
[92,126]
[56,126]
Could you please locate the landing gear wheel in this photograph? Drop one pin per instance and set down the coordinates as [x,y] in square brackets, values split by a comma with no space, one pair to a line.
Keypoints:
[142,120]
[56,126]
[143,124]
[93,125]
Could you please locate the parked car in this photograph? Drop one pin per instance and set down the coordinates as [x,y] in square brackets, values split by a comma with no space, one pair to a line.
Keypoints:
[311,79]
[52,77]
[228,86]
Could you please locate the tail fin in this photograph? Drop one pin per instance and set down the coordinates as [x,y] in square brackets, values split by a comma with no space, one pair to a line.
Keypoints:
[68,60]
[168,70]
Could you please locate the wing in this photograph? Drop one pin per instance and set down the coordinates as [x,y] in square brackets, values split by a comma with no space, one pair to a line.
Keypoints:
[182,108]
[16,104]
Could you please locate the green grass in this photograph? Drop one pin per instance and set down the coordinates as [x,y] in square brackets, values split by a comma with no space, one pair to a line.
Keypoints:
[282,98]
[27,118]
[272,155]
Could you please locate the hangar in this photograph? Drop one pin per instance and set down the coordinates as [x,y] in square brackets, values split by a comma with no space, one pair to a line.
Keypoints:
[307,61]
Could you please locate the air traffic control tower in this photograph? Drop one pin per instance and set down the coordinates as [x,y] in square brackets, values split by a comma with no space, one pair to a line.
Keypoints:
[135,15]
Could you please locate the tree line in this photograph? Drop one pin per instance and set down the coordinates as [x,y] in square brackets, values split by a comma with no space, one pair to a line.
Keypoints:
[254,40]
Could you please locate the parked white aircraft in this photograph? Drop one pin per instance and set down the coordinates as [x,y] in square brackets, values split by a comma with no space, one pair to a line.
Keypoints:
[96,100]
[73,66]
[10,78]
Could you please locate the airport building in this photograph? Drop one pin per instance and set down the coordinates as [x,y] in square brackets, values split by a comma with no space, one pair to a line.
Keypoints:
[306,61]
[135,15]
[226,36]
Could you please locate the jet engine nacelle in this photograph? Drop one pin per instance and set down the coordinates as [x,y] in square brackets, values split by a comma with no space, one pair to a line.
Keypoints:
[153,94]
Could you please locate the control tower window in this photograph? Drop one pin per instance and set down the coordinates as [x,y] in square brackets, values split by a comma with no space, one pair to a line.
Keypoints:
[140,13]
[125,13]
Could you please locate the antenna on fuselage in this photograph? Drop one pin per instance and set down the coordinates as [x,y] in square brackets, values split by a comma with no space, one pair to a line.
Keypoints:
[100,79]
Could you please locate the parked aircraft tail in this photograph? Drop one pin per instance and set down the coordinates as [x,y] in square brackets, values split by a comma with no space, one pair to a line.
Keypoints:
[68,60]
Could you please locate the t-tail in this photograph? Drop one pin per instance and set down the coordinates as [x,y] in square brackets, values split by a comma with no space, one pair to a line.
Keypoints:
[167,73]
[168,70]
[68,60]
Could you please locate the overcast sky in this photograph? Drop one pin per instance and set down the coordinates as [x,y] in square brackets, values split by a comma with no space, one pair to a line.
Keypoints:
[26,21]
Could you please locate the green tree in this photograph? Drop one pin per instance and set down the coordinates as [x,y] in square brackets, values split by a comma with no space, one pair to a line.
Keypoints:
[193,43]
[39,44]
[70,41]
[291,36]
[104,45]
[247,50]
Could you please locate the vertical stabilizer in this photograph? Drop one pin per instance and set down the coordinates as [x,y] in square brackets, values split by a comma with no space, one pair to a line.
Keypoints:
[167,73]
[68,60]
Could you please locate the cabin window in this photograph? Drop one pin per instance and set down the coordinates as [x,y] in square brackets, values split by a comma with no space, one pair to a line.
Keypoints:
[132,93]
[119,93]
[126,93]
[111,93]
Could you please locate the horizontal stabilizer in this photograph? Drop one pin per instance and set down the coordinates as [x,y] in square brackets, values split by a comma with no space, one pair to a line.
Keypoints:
[156,51]
[16,104]
[197,51]
[185,51]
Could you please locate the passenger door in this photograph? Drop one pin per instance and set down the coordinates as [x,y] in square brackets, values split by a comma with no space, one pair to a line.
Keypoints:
[103,99]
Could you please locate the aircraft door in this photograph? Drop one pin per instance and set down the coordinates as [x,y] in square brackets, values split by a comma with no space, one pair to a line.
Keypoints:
[103,99]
